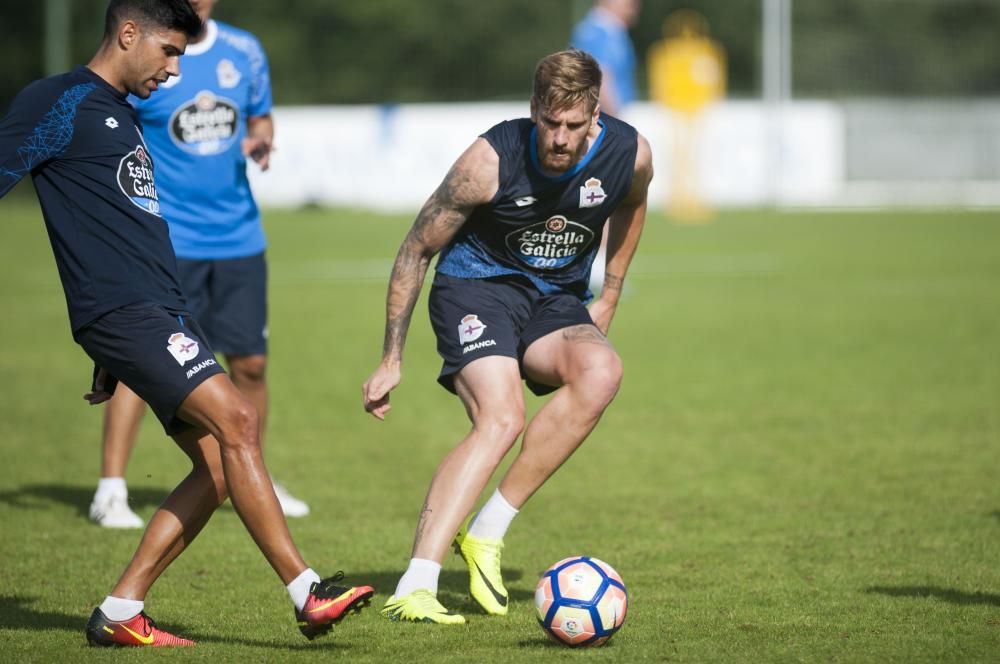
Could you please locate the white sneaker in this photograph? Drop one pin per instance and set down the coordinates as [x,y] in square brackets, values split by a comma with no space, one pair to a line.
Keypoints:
[290,505]
[113,512]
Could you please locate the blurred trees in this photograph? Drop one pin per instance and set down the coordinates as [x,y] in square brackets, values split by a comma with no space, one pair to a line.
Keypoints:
[402,50]
[896,47]
[364,51]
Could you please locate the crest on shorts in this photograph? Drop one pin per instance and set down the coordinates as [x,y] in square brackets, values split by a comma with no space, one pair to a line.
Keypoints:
[591,193]
[470,329]
[182,347]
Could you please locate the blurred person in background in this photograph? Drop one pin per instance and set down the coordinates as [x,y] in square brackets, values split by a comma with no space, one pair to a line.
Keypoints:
[603,33]
[517,220]
[81,141]
[200,128]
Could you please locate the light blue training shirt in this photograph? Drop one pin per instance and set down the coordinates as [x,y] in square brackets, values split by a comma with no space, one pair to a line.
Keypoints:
[194,125]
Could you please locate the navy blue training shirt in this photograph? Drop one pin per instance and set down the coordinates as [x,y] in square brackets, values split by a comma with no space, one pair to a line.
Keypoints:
[81,142]
[545,228]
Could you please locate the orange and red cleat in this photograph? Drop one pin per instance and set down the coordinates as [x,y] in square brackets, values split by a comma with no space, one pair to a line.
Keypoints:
[139,630]
[329,603]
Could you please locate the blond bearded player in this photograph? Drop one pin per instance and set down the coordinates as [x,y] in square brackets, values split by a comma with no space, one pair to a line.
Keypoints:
[518,221]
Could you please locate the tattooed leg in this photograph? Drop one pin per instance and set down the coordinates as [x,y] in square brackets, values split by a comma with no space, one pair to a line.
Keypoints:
[491,390]
[585,334]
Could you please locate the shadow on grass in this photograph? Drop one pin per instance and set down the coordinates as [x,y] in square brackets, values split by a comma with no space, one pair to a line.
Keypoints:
[16,613]
[453,586]
[542,645]
[946,594]
[38,496]
[326,643]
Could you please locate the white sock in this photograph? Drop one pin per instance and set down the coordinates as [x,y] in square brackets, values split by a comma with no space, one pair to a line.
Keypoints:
[118,609]
[108,486]
[494,518]
[299,588]
[421,573]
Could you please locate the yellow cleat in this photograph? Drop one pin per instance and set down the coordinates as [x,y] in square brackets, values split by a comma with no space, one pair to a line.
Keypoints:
[483,558]
[420,606]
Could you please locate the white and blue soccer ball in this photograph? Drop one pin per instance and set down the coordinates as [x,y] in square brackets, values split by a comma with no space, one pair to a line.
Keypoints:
[581,601]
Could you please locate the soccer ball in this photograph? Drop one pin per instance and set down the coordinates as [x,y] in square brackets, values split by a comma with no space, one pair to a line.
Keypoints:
[581,601]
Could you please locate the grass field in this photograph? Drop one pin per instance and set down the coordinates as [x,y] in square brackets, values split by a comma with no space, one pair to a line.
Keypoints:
[802,463]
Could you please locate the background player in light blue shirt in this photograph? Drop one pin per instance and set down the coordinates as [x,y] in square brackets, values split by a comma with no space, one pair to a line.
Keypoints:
[201,127]
[603,33]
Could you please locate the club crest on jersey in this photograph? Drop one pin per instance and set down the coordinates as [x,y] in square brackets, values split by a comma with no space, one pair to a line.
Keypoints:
[182,347]
[229,75]
[205,125]
[135,179]
[470,329]
[550,244]
[591,193]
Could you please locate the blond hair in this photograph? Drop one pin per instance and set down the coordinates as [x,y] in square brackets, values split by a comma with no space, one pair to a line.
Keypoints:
[566,78]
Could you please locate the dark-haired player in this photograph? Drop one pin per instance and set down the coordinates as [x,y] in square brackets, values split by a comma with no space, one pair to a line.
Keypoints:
[518,220]
[78,137]
[202,127]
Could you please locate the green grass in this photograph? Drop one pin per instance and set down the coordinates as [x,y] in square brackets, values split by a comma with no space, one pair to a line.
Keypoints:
[801,465]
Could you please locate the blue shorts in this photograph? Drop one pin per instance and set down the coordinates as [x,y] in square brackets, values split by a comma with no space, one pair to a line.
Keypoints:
[229,298]
[474,318]
[161,354]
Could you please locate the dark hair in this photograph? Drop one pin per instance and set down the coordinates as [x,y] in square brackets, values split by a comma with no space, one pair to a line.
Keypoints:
[566,78]
[169,14]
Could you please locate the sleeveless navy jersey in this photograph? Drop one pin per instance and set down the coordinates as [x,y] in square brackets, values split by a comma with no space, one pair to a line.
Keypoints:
[545,228]
[80,140]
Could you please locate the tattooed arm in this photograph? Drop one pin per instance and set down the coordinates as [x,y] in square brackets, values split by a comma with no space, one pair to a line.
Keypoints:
[473,180]
[624,228]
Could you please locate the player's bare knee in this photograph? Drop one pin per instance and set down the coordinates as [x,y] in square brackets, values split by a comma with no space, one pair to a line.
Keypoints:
[247,423]
[242,426]
[502,428]
[600,382]
[249,370]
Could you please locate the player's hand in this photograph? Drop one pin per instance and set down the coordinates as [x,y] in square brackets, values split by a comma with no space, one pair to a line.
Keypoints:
[259,149]
[375,391]
[99,394]
[602,311]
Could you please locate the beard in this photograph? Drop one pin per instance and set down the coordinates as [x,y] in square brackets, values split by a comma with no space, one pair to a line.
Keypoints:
[560,162]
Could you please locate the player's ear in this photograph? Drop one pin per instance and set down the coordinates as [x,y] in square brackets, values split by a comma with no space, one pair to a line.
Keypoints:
[597,114]
[534,110]
[128,34]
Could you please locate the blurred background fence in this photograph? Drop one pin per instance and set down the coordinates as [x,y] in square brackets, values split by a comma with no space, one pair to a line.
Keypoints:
[846,102]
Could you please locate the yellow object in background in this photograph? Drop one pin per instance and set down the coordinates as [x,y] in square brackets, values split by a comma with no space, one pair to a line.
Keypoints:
[687,72]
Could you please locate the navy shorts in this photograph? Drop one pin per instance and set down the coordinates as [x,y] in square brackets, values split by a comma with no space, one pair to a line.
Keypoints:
[474,318]
[161,354]
[229,298]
